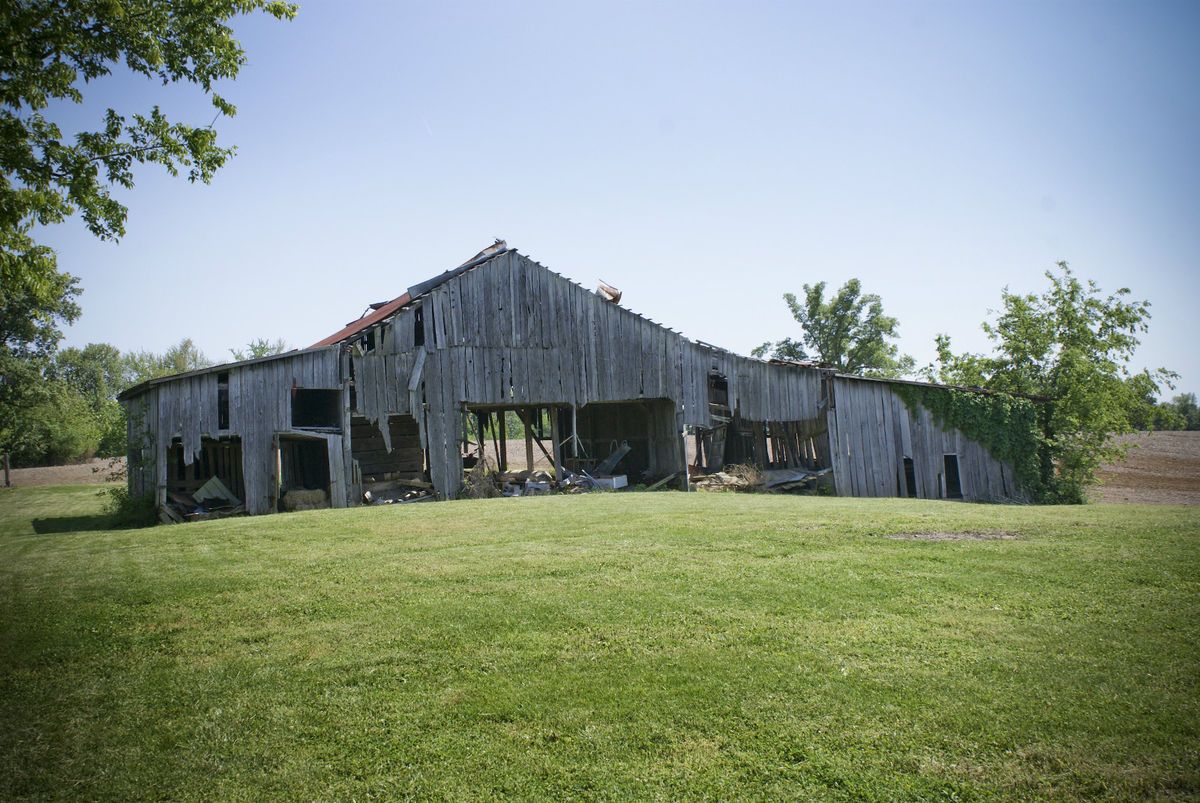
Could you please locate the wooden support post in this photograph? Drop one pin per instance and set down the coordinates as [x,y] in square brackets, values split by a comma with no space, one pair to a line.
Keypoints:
[526,419]
[555,446]
[502,429]
[685,482]
[479,430]
[574,431]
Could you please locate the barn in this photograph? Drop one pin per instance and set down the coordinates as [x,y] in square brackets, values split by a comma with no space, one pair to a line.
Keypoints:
[415,391]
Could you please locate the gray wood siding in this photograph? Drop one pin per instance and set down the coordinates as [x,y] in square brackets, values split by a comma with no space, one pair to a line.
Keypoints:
[872,430]
[259,410]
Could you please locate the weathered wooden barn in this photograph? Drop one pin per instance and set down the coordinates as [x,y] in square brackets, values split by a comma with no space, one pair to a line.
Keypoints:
[405,390]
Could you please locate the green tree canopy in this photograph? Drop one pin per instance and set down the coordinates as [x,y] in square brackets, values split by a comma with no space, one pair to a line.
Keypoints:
[849,331]
[1071,347]
[1181,412]
[181,357]
[260,347]
[50,51]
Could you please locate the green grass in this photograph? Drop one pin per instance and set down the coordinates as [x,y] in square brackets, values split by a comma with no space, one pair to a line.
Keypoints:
[605,646]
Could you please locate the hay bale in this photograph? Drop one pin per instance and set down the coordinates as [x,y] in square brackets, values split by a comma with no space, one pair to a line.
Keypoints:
[299,499]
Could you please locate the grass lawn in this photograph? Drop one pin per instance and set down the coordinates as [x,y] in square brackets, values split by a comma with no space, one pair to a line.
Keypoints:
[613,645]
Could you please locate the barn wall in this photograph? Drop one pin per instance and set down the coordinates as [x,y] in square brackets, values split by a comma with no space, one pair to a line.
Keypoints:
[260,396]
[872,430]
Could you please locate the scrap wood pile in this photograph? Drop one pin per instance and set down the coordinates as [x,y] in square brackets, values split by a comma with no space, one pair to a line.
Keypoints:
[482,481]
[748,479]
[212,500]
[392,488]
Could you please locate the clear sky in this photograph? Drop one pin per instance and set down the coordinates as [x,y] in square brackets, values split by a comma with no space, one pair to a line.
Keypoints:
[703,157]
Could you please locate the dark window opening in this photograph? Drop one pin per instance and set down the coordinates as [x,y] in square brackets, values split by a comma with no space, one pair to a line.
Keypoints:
[827,397]
[718,389]
[418,327]
[220,458]
[316,409]
[304,465]
[910,477]
[953,483]
[223,400]
[353,388]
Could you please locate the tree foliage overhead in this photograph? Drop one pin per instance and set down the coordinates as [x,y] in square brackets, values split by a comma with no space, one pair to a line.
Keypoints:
[50,51]
[849,331]
[1070,347]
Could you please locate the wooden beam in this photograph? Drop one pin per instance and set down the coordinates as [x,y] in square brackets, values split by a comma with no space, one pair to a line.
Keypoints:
[479,437]
[502,429]
[526,419]
[554,443]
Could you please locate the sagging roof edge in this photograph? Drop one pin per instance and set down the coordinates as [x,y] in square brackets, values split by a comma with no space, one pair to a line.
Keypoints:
[918,383]
[129,393]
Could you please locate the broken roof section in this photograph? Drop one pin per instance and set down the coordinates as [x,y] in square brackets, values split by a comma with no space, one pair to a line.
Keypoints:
[380,312]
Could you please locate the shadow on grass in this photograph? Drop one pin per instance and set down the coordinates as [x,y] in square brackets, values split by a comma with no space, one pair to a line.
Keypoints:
[72,524]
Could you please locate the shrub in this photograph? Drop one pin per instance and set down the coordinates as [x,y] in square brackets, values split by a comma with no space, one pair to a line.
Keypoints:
[127,510]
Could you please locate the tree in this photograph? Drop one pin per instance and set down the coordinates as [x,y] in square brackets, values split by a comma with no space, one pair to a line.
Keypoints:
[29,334]
[49,51]
[849,332]
[183,356]
[260,347]
[1069,347]
[97,372]
[1147,414]
[1184,410]
[59,428]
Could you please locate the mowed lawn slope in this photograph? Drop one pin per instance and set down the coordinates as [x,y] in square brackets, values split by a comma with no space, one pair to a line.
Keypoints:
[613,645]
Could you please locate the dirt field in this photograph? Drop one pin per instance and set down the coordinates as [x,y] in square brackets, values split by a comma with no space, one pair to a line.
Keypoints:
[93,471]
[1163,468]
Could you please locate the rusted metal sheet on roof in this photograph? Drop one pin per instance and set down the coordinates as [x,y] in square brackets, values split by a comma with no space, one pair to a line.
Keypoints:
[366,322]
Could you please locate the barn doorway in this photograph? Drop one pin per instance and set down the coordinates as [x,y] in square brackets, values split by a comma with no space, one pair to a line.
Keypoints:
[303,473]
[218,457]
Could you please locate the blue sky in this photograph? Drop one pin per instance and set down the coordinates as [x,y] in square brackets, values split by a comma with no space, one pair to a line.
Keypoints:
[705,158]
